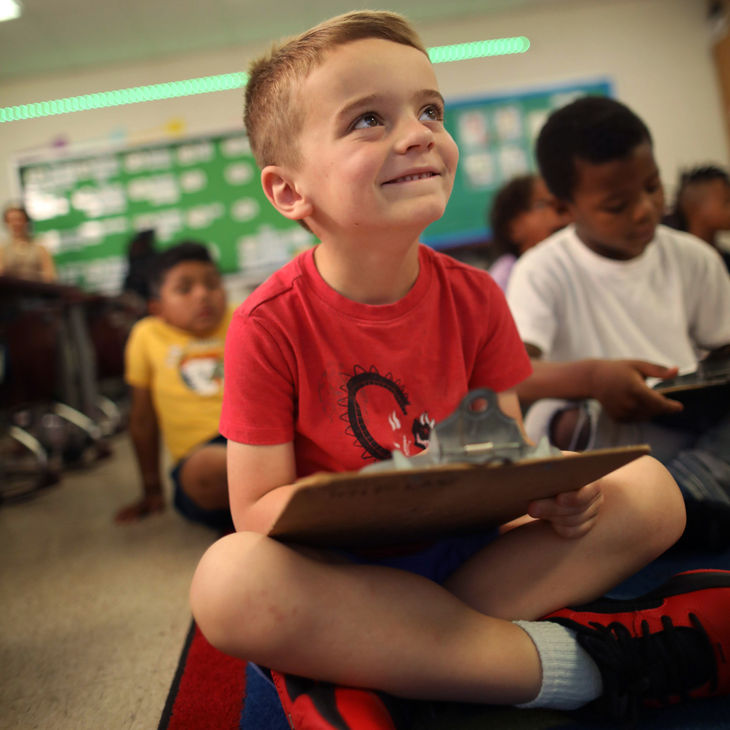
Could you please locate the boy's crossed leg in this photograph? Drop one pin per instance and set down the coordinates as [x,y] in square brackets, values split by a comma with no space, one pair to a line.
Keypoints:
[203,477]
[201,486]
[360,625]
[370,626]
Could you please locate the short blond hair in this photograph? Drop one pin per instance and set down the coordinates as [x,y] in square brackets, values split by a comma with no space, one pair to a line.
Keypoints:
[270,105]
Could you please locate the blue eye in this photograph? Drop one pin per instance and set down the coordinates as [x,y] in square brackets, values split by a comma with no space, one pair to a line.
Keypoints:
[369,119]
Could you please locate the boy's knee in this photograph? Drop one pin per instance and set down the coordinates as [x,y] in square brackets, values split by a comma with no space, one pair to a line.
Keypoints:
[665,501]
[651,505]
[207,493]
[203,478]
[218,593]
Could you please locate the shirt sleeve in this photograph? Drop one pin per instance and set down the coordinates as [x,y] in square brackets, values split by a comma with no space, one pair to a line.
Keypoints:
[532,301]
[710,322]
[137,364]
[258,385]
[503,362]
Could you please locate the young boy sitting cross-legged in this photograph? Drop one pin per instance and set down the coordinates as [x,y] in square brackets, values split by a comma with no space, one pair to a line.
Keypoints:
[357,347]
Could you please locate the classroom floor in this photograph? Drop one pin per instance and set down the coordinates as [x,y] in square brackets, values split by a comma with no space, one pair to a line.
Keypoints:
[93,615]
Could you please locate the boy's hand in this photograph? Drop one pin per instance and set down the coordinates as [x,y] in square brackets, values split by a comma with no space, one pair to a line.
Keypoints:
[620,387]
[148,505]
[572,514]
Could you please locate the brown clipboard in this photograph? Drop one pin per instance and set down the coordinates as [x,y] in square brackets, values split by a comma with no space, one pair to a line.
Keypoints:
[356,509]
[712,373]
[674,389]
[706,399]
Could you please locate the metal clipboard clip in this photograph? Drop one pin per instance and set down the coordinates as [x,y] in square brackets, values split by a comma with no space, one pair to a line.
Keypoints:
[477,432]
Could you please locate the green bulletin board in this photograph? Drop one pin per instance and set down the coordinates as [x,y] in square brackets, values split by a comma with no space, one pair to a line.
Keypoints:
[86,207]
[495,135]
[88,204]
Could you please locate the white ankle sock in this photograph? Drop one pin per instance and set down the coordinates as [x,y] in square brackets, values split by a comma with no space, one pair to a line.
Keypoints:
[570,678]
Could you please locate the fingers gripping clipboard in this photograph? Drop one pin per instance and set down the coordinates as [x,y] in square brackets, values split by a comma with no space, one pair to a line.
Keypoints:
[704,392]
[712,373]
[478,472]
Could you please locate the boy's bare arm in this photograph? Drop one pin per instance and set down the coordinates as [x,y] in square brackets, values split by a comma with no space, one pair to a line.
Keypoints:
[260,478]
[259,483]
[619,385]
[145,434]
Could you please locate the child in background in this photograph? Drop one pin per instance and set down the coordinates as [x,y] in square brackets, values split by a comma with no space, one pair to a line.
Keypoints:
[615,299]
[141,253]
[357,347]
[702,205]
[174,364]
[523,213]
[21,255]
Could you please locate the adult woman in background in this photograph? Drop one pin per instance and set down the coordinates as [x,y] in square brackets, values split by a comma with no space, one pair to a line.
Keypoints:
[21,256]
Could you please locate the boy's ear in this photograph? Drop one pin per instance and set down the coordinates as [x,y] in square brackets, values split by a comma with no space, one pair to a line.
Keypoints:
[568,206]
[281,190]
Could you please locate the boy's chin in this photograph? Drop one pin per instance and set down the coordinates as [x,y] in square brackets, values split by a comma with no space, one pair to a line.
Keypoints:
[616,253]
[638,246]
[203,328]
[424,215]
[619,250]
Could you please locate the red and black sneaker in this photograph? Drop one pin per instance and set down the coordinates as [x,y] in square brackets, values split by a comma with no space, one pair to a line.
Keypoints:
[668,645]
[313,705]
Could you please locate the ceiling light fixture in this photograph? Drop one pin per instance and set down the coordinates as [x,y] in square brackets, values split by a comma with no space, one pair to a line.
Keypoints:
[9,10]
[225,82]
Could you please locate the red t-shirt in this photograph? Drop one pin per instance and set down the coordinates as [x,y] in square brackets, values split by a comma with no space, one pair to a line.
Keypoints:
[349,382]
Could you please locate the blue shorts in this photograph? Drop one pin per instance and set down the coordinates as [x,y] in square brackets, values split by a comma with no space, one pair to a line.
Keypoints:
[437,561]
[219,519]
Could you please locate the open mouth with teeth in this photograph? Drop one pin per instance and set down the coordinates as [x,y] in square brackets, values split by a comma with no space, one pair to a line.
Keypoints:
[411,178]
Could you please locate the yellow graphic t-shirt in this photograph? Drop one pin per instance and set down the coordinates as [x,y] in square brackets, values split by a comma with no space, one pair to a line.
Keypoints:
[184,374]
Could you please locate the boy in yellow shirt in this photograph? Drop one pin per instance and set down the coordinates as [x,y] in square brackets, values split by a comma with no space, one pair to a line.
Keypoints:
[174,365]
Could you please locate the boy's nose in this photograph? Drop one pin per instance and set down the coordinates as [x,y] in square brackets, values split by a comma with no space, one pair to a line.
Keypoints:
[200,291]
[644,209]
[414,133]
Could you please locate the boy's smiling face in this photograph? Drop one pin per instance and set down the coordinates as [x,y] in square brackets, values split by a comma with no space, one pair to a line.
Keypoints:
[617,205]
[373,148]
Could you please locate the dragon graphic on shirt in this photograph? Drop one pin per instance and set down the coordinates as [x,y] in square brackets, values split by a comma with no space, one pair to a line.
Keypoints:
[369,395]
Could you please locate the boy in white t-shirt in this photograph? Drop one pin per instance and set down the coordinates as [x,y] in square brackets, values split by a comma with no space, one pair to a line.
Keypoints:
[615,299]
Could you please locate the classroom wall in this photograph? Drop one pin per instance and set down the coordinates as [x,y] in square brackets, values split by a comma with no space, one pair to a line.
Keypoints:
[655,52]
